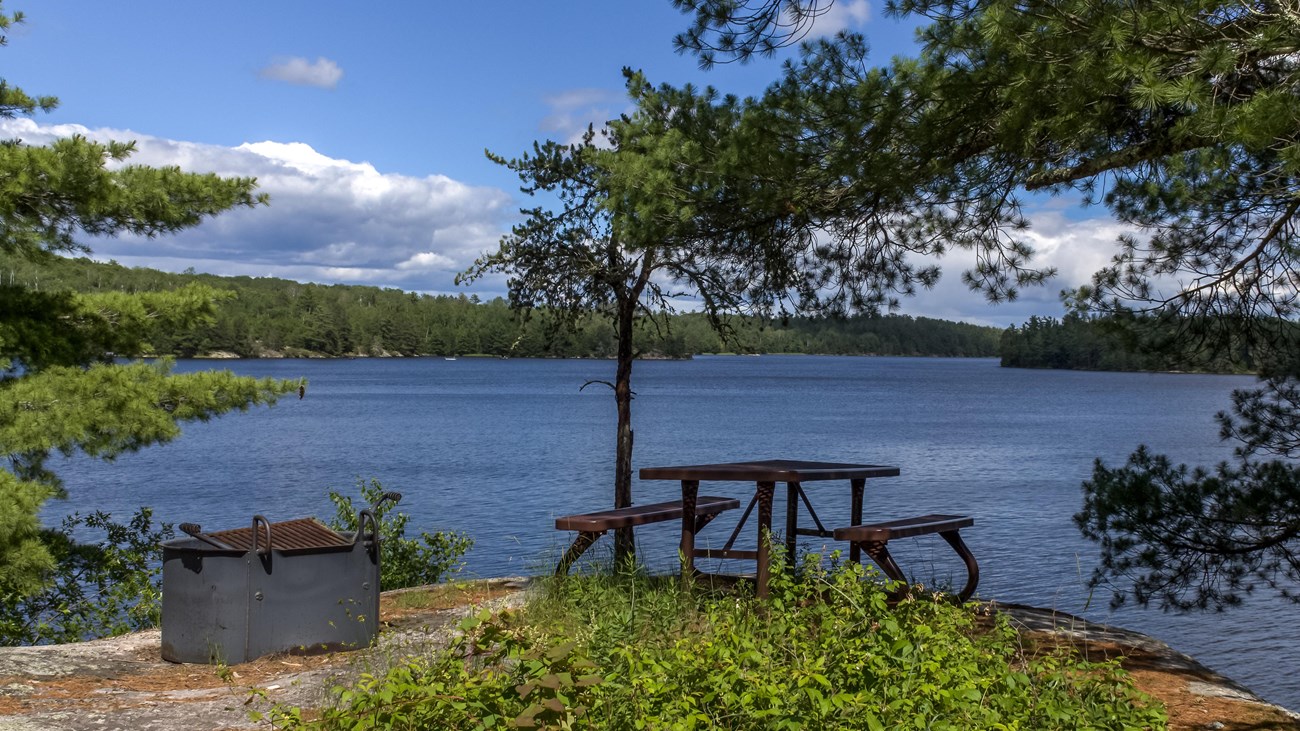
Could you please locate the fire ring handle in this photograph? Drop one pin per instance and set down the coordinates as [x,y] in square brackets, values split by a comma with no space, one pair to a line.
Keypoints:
[365,516]
[267,524]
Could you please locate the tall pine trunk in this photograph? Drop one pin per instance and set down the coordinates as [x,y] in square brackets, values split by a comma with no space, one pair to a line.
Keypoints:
[624,544]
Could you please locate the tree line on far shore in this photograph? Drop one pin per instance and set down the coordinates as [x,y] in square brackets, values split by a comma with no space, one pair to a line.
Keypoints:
[266,316]
[269,316]
[1079,342]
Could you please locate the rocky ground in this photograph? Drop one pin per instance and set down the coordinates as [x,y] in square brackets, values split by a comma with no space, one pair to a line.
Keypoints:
[122,683]
[1195,696]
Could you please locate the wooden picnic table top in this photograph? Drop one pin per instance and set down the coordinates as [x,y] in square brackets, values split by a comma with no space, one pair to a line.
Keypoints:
[770,470]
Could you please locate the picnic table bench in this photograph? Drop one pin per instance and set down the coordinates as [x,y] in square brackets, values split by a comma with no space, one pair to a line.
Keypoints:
[873,537]
[591,526]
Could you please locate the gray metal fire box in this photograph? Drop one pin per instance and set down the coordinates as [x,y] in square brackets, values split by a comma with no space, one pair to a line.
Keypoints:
[294,586]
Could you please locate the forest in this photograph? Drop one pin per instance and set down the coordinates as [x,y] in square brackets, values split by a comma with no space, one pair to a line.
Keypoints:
[1101,343]
[268,317]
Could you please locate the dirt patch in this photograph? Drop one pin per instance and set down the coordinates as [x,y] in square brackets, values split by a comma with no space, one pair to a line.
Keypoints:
[1195,697]
[1191,709]
[407,606]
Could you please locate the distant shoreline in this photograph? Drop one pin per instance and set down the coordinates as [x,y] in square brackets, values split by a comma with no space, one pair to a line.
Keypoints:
[295,354]
[222,355]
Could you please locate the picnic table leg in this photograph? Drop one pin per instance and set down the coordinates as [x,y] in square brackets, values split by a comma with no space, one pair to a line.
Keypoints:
[791,520]
[579,546]
[859,485]
[690,492]
[765,492]
[880,554]
[972,568]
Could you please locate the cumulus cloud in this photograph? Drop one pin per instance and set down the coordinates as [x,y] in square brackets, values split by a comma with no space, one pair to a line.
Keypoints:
[322,72]
[842,15]
[330,220]
[334,220]
[426,260]
[1075,246]
[571,111]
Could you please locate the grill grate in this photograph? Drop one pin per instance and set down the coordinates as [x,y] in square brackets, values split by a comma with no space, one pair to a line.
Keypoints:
[300,534]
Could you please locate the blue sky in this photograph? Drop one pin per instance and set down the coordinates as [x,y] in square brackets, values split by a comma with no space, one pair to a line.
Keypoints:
[367,125]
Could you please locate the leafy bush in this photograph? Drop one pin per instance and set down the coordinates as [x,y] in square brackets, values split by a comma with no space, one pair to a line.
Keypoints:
[825,651]
[96,589]
[405,561]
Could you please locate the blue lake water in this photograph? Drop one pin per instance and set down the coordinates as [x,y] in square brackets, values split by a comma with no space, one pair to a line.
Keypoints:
[498,448]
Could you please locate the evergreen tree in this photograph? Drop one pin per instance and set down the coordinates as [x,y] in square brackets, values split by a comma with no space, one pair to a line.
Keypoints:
[617,242]
[60,387]
[1182,118]
[578,260]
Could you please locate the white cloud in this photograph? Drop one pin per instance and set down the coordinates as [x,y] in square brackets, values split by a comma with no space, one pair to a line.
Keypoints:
[573,110]
[1077,248]
[426,260]
[330,220]
[322,72]
[842,15]
[334,220]
[1074,247]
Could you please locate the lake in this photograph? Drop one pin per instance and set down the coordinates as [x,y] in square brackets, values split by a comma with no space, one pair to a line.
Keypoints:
[498,448]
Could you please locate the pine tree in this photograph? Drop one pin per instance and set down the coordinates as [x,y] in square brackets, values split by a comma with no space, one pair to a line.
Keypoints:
[61,386]
[616,246]
[1182,118]
[577,260]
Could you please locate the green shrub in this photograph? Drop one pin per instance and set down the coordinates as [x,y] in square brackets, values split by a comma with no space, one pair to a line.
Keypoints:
[825,651]
[405,561]
[96,589]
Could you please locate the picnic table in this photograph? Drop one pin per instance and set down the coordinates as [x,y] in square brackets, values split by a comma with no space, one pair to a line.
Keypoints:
[765,474]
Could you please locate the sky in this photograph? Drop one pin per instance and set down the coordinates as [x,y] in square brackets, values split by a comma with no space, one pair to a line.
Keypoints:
[367,125]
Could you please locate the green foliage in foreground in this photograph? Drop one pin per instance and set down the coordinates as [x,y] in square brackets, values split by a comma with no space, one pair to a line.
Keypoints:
[101,410]
[98,589]
[824,652]
[1194,539]
[405,561]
